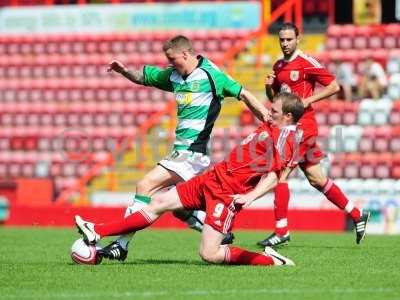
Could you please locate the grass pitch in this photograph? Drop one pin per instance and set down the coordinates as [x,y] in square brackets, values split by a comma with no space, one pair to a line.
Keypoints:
[35,264]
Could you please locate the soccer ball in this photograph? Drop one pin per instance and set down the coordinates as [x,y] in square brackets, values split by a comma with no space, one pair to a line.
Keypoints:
[84,254]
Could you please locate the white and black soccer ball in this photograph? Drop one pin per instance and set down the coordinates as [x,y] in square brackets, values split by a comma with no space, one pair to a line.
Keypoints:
[84,254]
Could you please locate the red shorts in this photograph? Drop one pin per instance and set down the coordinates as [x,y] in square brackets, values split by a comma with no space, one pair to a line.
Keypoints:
[205,192]
[309,151]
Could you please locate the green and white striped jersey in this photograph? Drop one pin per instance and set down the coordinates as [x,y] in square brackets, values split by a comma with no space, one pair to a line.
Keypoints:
[198,96]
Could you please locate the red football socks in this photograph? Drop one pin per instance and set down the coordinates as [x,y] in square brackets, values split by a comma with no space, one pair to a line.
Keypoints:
[334,194]
[281,203]
[133,222]
[238,256]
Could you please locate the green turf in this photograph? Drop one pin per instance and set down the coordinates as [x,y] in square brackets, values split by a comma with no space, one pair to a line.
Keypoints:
[35,264]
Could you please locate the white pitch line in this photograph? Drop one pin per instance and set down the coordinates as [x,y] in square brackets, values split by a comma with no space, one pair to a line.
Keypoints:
[194,293]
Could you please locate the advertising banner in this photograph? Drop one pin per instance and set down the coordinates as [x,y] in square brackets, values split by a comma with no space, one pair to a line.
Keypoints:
[130,17]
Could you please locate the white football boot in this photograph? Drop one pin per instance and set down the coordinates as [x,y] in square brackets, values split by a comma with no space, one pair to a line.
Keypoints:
[87,230]
[279,259]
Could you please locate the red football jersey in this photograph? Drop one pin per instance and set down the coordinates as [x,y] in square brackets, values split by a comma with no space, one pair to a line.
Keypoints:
[267,149]
[299,75]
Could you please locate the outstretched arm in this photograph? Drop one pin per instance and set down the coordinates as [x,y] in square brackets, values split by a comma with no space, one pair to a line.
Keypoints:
[256,107]
[135,76]
[266,183]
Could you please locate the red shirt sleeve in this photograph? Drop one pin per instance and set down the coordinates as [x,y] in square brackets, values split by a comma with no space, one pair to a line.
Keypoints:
[317,73]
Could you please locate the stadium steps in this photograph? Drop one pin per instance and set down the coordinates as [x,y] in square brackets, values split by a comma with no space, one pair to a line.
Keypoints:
[126,172]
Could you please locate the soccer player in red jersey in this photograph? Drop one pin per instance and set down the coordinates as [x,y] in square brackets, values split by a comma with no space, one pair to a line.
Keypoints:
[298,73]
[249,172]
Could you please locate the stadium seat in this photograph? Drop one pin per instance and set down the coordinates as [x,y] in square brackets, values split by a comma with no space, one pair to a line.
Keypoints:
[352,164]
[382,139]
[374,112]
[362,35]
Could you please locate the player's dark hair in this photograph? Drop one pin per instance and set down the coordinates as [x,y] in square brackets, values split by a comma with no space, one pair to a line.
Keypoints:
[178,42]
[290,26]
[291,104]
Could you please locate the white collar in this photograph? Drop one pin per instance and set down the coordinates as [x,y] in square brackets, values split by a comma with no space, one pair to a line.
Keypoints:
[290,127]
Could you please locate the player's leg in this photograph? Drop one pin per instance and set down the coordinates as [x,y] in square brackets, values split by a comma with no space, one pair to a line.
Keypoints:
[334,194]
[195,220]
[281,203]
[307,152]
[188,164]
[213,252]
[220,215]
[155,180]
[162,202]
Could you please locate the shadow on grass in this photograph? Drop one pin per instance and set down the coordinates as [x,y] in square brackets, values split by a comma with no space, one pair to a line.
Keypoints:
[157,262]
[150,262]
[166,262]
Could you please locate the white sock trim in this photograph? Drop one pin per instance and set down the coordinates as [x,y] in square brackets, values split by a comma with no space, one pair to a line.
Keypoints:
[349,207]
[281,223]
[327,186]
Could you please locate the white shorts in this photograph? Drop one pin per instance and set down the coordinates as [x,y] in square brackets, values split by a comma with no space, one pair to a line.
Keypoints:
[186,164]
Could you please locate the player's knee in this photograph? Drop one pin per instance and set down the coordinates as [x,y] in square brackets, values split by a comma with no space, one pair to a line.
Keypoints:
[158,204]
[144,186]
[209,256]
[317,182]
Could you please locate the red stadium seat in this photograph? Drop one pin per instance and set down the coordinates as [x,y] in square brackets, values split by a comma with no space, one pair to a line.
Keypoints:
[335,112]
[382,139]
[384,165]
[351,165]
[350,113]
[362,35]
[368,164]
[367,139]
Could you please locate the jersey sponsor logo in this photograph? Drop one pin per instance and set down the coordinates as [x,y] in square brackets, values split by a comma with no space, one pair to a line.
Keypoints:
[294,75]
[184,98]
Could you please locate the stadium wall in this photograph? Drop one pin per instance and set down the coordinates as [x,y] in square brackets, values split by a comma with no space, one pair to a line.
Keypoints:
[63,215]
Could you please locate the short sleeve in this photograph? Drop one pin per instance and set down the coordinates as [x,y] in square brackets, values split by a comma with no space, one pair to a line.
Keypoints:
[318,73]
[231,88]
[157,77]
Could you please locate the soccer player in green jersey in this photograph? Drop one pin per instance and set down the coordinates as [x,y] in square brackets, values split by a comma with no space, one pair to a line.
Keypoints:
[199,87]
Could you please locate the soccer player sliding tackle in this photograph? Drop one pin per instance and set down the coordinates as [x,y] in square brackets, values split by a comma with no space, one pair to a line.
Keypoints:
[199,88]
[250,171]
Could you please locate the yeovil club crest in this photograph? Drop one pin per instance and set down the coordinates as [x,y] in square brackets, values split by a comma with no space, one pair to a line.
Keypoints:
[294,75]
[195,86]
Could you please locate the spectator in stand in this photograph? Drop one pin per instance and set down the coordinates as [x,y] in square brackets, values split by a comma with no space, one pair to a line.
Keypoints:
[374,81]
[346,80]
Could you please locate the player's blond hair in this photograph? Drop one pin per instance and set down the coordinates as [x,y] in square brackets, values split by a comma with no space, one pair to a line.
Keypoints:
[179,42]
[291,104]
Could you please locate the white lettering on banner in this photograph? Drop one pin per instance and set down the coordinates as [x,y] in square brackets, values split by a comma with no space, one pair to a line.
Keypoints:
[128,17]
